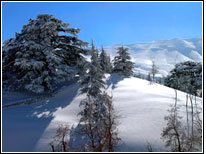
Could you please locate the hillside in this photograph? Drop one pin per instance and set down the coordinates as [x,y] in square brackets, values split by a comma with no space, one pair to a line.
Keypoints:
[165,54]
[141,106]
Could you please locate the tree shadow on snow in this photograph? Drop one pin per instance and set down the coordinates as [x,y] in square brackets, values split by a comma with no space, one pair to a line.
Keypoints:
[59,100]
[77,139]
[23,125]
[114,79]
[141,147]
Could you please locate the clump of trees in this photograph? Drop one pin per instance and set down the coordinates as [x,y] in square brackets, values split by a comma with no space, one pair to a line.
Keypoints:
[98,119]
[176,136]
[183,136]
[98,124]
[187,77]
[180,136]
[47,52]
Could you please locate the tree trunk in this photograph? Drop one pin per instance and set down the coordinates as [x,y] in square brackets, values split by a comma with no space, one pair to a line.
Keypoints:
[178,140]
[175,99]
[64,146]
[52,146]
[187,115]
[192,120]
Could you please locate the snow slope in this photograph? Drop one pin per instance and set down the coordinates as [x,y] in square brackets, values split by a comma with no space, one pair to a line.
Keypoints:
[165,54]
[141,106]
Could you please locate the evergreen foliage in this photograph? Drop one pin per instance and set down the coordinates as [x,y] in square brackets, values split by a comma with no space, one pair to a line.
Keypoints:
[186,76]
[92,81]
[122,62]
[105,62]
[39,58]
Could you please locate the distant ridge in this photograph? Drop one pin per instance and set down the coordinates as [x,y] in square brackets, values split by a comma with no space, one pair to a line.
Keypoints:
[165,53]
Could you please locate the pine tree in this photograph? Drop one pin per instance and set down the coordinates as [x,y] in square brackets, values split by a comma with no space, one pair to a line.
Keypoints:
[122,63]
[39,58]
[105,62]
[92,81]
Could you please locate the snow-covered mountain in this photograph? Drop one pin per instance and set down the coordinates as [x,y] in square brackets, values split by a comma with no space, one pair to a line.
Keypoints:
[165,54]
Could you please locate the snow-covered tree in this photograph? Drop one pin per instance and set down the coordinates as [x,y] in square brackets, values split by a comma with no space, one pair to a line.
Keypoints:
[39,58]
[122,62]
[82,68]
[97,115]
[186,76]
[154,70]
[98,122]
[105,62]
[92,81]
[92,115]
[174,134]
[60,142]
[110,124]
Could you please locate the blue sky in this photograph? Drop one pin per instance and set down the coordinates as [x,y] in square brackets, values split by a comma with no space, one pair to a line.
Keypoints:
[112,22]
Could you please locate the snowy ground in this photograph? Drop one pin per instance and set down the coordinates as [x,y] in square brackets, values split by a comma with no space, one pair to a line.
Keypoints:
[141,106]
